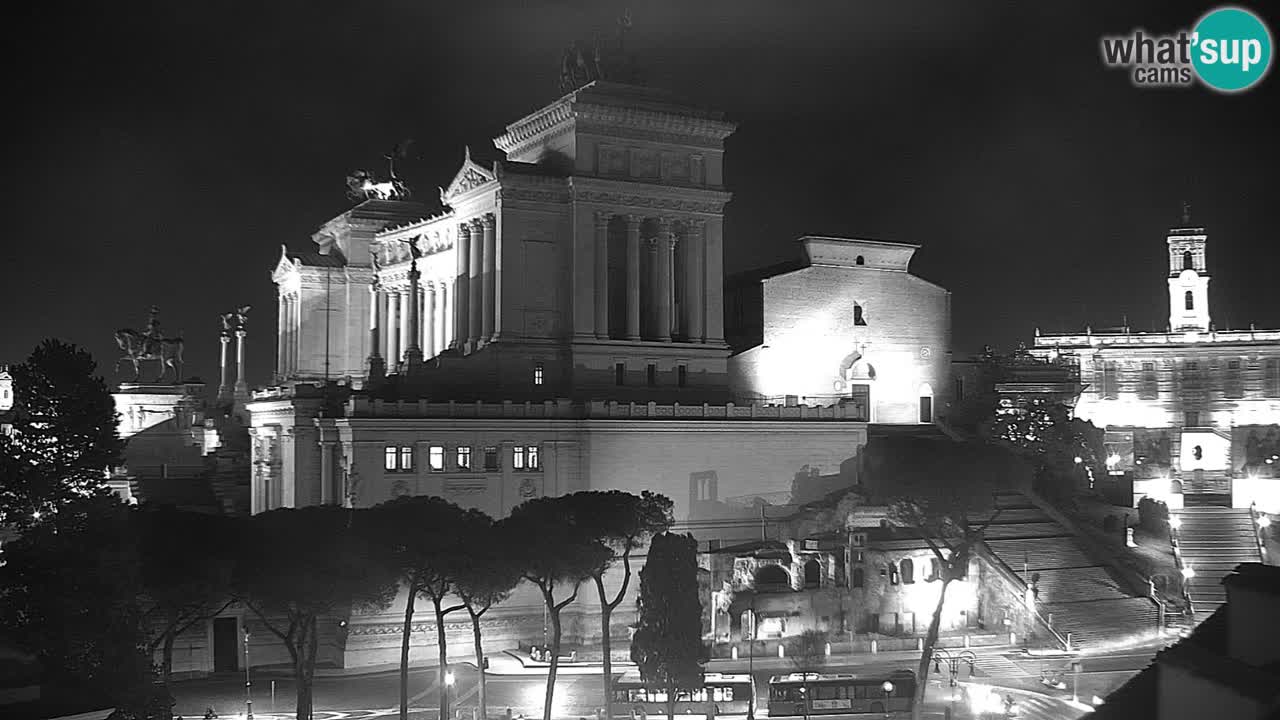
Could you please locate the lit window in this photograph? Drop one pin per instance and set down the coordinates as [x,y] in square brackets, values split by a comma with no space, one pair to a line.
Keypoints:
[397,458]
[464,458]
[406,459]
[525,457]
[537,374]
[389,459]
[435,457]
[491,458]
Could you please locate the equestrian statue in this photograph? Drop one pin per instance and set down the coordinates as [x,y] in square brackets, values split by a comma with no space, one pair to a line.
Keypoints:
[150,346]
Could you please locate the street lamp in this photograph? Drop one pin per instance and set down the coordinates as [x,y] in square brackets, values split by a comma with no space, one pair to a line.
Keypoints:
[1188,572]
[449,680]
[248,692]
[1175,522]
[887,687]
[751,661]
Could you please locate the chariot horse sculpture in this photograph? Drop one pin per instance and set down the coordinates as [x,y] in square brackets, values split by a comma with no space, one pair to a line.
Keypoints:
[150,346]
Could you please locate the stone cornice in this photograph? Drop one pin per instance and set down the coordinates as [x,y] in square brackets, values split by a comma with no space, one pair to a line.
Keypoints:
[705,129]
[643,196]
[533,127]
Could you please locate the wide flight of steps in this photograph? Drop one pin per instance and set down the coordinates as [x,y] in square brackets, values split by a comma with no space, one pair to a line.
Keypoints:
[1213,541]
[1075,589]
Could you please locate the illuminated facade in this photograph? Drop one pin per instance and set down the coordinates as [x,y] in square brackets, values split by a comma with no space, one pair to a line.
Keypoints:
[1191,411]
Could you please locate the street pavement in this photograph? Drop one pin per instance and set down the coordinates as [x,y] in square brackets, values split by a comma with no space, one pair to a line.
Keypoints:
[578,689]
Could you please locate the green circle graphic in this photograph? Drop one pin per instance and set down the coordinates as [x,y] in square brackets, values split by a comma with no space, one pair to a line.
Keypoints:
[1231,50]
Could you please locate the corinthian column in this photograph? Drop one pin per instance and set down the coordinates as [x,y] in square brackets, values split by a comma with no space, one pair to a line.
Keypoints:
[224,388]
[475,285]
[282,338]
[377,366]
[461,291]
[489,281]
[406,313]
[242,386]
[665,245]
[694,293]
[393,328]
[602,274]
[413,323]
[633,277]
[429,317]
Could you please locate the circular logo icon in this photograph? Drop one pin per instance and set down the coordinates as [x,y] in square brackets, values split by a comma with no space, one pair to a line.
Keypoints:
[1231,49]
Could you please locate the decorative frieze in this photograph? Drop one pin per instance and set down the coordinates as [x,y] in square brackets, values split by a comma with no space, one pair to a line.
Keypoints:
[650,202]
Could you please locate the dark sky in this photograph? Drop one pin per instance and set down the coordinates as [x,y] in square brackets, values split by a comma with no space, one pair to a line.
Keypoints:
[165,150]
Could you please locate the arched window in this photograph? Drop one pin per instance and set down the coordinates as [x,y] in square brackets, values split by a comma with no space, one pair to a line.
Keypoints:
[859,261]
[935,569]
[772,575]
[859,577]
[908,570]
[1188,261]
[812,574]
[1191,303]
[858,319]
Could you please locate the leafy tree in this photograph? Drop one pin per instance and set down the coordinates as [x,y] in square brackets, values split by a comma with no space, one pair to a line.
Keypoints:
[491,576]
[1058,445]
[553,552]
[947,492]
[64,436]
[69,594]
[622,522]
[426,538]
[667,646]
[186,572]
[808,654]
[297,566]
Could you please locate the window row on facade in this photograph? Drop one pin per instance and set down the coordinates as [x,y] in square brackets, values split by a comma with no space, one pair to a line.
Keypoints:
[461,458]
[1193,375]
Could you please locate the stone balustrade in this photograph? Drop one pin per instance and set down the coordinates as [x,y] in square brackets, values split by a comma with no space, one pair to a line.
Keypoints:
[362,407]
[1152,338]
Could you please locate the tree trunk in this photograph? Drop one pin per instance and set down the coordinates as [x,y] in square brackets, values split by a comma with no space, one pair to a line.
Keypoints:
[671,701]
[554,612]
[166,664]
[443,647]
[404,652]
[926,655]
[606,645]
[475,634]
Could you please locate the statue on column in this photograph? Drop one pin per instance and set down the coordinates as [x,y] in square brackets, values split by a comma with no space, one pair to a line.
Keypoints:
[151,345]
[242,317]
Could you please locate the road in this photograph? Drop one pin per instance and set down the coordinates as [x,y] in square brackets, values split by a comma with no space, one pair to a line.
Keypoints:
[354,697]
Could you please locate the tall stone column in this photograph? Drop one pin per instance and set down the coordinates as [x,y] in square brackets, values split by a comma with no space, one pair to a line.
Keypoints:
[461,291]
[665,245]
[490,276]
[413,321]
[376,365]
[282,337]
[633,277]
[328,496]
[444,328]
[602,274]
[694,293]
[295,327]
[393,328]
[403,324]
[429,320]
[475,285]
[224,388]
[714,276]
[242,385]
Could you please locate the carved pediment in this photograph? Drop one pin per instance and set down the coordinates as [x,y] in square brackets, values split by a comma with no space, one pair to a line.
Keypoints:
[284,266]
[469,177]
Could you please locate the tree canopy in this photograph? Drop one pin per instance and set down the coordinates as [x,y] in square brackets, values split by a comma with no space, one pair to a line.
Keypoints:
[667,647]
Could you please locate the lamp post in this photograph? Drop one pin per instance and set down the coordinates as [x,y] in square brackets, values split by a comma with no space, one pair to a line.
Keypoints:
[751,661]
[449,679]
[887,687]
[248,688]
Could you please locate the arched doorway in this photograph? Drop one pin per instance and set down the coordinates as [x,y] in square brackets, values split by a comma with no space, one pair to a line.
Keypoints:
[812,574]
[772,575]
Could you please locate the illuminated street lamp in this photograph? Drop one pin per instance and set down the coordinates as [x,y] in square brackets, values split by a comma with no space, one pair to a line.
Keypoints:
[1175,522]
[248,692]
[1188,572]
[1264,521]
[887,687]
[449,680]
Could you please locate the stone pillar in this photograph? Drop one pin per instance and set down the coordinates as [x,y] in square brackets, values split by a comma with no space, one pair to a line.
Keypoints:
[376,365]
[403,325]
[413,320]
[224,388]
[328,496]
[461,294]
[282,335]
[633,277]
[714,277]
[393,328]
[489,277]
[429,317]
[242,386]
[666,244]
[602,274]
[295,327]
[386,329]
[694,293]
[475,285]
[444,326]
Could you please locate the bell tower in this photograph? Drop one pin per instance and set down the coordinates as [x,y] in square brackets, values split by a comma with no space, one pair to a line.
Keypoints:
[1188,276]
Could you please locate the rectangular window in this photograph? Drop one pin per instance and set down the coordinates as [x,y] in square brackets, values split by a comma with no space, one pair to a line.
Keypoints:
[1271,378]
[1148,388]
[959,389]
[619,374]
[517,457]
[435,458]
[531,457]
[1191,419]
[406,459]
[926,409]
[390,459]
[524,457]
[1110,382]
[682,375]
[464,458]
[651,374]
[1233,383]
[397,458]
[491,458]
[537,373]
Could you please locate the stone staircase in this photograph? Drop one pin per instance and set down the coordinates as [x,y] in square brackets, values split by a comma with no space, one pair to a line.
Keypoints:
[1076,593]
[1213,541]
[1206,487]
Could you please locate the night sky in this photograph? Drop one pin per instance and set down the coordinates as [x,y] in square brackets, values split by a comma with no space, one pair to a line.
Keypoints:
[165,150]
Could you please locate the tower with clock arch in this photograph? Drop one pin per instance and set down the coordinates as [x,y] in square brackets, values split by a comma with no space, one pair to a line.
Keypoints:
[1188,279]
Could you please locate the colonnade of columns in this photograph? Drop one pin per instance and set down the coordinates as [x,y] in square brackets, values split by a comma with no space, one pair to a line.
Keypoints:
[395,312]
[290,324]
[476,282]
[678,253]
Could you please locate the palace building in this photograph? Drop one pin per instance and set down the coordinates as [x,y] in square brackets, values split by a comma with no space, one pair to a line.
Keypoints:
[1192,413]
[559,325]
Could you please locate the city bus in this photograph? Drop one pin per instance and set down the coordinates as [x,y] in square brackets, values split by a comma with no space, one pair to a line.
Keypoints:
[880,694]
[730,695]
